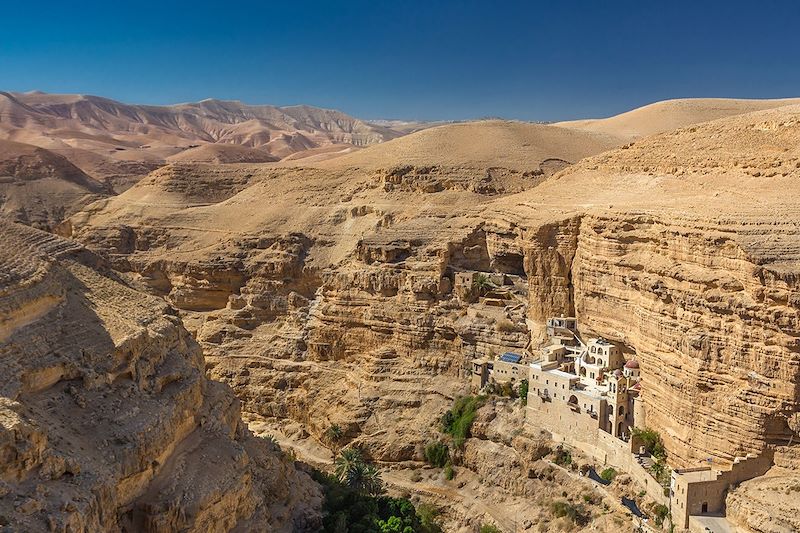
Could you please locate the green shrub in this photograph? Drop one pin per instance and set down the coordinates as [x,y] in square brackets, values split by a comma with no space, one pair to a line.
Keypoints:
[457,421]
[427,514]
[506,389]
[449,473]
[437,454]
[490,528]
[608,474]
[562,457]
[661,512]
[652,443]
[523,391]
[574,512]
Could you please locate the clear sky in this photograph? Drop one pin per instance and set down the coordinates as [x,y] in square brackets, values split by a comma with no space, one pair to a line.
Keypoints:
[406,59]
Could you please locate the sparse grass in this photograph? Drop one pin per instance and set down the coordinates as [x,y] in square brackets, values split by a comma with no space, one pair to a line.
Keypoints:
[574,513]
[490,528]
[504,325]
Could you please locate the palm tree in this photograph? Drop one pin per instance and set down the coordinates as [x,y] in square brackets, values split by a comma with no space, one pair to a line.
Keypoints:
[482,284]
[369,480]
[354,472]
[334,436]
[347,463]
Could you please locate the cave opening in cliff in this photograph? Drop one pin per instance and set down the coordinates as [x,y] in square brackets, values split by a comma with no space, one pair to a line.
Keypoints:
[509,263]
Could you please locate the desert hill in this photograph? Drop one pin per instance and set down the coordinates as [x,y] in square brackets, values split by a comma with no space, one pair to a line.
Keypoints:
[120,142]
[41,188]
[481,144]
[672,114]
[222,154]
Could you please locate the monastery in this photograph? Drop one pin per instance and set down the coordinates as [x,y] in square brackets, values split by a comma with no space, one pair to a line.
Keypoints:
[588,396]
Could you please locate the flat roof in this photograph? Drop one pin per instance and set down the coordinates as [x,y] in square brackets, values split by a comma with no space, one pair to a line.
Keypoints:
[695,475]
[561,374]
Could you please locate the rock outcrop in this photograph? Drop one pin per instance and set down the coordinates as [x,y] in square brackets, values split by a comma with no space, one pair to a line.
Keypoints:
[107,421]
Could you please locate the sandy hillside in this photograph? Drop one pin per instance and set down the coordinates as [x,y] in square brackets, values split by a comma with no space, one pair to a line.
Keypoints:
[41,188]
[222,154]
[672,114]
[515,145]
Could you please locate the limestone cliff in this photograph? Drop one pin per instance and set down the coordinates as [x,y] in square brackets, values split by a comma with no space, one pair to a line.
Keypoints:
[107,421]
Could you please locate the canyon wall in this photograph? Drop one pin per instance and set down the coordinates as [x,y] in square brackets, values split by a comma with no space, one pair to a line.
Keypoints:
[107,421]
[715,329]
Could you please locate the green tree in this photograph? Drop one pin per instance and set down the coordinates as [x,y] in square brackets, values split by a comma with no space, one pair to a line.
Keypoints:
[652,443]
[608,474]
[334,435]
[482,284]
[394,525]
[661,512]
[346,463]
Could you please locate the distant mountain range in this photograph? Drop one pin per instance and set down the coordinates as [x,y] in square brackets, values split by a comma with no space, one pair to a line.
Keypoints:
[118,143]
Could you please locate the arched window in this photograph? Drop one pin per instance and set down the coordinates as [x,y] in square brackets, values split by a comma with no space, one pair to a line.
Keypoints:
[583,371]
[573,400]
[611,409]
[621,410]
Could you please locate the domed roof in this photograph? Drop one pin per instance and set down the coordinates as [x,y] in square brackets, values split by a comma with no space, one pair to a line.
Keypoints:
[633,364]
[618,372]
[637,386]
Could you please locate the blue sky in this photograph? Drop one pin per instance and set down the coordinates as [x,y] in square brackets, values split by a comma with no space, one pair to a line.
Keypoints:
[416,60]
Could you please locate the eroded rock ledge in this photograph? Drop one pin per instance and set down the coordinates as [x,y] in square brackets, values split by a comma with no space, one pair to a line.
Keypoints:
[107,420]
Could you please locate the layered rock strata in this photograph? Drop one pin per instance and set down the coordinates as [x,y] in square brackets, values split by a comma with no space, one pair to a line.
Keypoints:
[107,420]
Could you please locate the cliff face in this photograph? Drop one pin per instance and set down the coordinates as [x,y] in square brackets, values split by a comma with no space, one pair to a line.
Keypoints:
[107,420]
[715,330]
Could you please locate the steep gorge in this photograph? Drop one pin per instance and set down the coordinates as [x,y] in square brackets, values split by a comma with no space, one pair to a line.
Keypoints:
[346,311]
